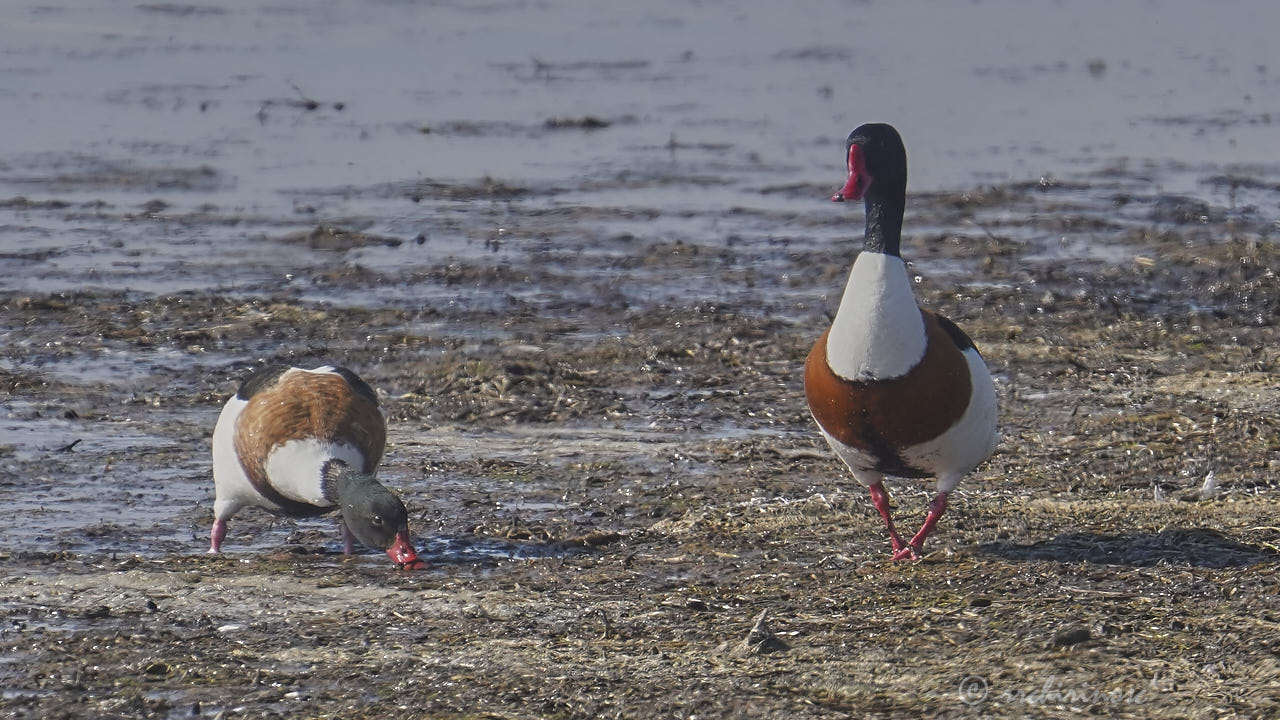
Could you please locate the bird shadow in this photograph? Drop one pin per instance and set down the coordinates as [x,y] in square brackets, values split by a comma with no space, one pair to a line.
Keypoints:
[472,549]
[435,551]
[1200,547]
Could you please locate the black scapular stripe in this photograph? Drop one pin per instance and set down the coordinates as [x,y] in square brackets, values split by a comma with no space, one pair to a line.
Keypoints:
[260,380]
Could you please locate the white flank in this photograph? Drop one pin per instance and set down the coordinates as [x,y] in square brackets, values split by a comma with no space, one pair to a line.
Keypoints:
[967,443]
[231,486]
[878,332]
[860,463]
[295,467]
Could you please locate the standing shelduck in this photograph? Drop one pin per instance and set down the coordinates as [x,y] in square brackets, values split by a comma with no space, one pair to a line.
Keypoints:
[895,389]
[307,442]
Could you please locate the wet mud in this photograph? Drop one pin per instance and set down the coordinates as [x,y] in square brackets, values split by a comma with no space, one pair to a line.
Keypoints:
[612,470]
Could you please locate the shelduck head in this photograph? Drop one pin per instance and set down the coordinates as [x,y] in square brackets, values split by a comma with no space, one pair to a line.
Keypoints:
[875,157]
[372,513]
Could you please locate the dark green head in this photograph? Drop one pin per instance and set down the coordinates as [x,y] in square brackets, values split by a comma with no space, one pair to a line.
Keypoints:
[877,163]
[372,513]
[875,158]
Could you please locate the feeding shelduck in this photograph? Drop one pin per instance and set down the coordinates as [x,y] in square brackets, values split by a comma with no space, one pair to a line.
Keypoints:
[307,442]
[896,389]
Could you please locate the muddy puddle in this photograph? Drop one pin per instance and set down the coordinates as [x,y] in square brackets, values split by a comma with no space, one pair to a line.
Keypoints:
[582,252]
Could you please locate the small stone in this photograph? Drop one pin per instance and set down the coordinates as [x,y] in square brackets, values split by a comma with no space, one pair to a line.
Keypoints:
[1071,636]
[761,639]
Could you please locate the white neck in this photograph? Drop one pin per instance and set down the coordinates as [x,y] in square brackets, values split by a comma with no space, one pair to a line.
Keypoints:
[878,332]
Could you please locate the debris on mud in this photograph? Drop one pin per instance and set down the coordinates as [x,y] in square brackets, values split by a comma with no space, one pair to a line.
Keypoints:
[608,486]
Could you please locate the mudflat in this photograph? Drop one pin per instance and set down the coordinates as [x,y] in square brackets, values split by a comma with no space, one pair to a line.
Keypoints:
[611,497]
[583,269]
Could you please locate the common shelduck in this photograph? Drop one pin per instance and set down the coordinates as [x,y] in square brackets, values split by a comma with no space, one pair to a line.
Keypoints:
[896,390]
[307,442]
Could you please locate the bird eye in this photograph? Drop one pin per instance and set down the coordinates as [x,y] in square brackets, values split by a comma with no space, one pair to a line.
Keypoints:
[376,521]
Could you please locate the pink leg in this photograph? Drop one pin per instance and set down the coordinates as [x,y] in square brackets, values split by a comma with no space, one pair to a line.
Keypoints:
[216,535]
[348,540]
[880,498]
[914,548]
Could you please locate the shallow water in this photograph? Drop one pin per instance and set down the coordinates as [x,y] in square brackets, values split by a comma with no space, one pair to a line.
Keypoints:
[194,148]
[205,108]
